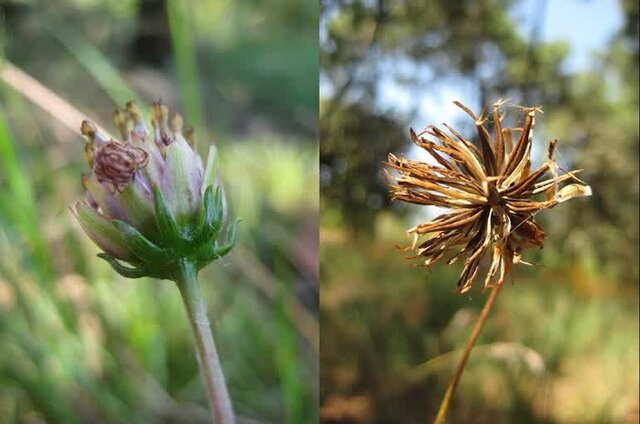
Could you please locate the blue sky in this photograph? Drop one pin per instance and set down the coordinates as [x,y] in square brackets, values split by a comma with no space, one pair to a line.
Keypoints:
[587,25]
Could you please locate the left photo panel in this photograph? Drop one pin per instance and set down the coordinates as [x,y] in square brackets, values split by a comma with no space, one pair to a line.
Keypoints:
[159,212]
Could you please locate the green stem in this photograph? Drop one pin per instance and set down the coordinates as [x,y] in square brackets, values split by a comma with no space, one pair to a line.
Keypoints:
[448,396]
[210,368]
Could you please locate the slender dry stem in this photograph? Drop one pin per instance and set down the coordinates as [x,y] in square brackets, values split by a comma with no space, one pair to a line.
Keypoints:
[448,396]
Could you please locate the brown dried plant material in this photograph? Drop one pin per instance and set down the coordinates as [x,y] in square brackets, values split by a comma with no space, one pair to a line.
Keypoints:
[490,191]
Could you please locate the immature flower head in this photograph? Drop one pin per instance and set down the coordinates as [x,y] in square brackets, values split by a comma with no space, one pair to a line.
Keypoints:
[489,189]
[149,201]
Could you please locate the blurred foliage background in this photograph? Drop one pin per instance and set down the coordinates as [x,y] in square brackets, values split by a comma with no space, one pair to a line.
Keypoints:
[561,344]
[78,344]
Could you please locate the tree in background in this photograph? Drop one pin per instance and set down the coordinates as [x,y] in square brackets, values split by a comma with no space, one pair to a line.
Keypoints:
[353,141]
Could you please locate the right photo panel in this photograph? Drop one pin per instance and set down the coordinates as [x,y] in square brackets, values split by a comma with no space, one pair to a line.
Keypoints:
[479,211]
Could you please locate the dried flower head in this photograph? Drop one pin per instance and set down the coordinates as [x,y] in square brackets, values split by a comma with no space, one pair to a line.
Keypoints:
[149,201]
[490,190]
[116,163]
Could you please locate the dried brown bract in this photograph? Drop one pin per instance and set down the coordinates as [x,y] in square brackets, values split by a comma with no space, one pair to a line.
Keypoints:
[490,190]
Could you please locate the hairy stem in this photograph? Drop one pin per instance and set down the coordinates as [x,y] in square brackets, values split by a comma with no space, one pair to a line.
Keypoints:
[210,368]
[448,396]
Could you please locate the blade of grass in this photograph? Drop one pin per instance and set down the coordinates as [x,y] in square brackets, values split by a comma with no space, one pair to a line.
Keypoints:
[100,68]
[287,355]
[264,280]
[184,50]
[22,209]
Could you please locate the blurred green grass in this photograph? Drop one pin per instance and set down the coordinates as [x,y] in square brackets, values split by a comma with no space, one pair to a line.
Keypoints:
[80,344]
[265,356]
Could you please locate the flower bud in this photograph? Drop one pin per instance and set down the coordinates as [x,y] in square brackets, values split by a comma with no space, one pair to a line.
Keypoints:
[149,202]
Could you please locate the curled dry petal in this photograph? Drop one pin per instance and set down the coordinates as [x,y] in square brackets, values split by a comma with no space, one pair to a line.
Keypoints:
[115,164]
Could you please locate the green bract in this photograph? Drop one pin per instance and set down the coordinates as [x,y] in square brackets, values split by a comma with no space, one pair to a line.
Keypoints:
[150,204]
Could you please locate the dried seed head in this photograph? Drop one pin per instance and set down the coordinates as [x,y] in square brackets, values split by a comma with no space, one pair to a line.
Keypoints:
[489,188]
